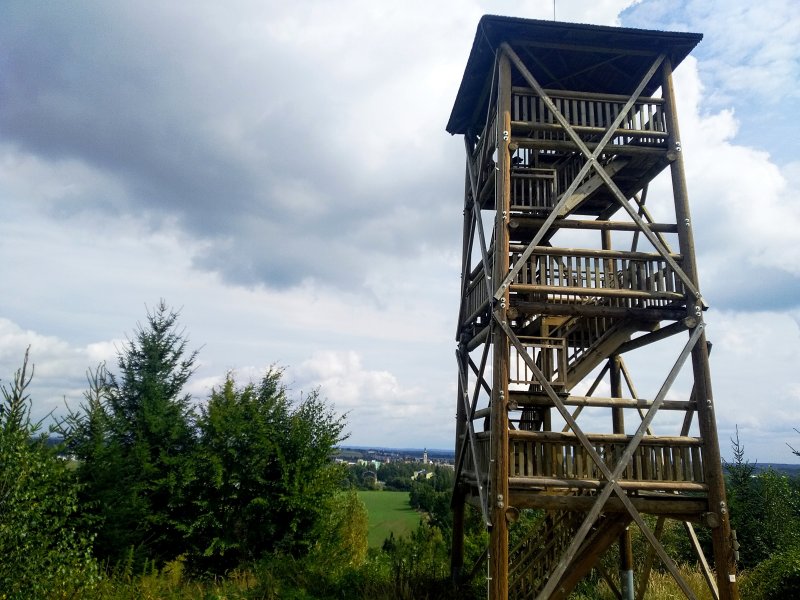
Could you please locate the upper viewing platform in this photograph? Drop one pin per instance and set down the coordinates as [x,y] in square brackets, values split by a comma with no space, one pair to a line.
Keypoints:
[591,59]
[585,75]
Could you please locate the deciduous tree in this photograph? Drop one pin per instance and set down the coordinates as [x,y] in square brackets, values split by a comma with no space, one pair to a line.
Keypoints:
[267,473]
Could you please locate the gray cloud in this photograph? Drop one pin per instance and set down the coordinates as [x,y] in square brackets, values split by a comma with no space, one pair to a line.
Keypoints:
[252,147]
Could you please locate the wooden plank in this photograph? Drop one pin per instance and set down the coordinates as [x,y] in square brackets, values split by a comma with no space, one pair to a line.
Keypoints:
[675,506]
[597,97]
[522,129]
[523,222]
[600,292]
[524,398]
[561,482]
[596,253]
[619,439]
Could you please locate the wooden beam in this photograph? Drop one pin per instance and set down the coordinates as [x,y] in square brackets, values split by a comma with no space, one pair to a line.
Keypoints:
[590,252]
[525,398]
[652,314]
[519,222]
[530,288]
[596,484]
[678,507]
[721,535]
[618,149]
[553,93]
[558,437]
[499,463]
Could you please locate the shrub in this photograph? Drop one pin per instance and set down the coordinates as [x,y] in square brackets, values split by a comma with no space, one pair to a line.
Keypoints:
[42,554]
[775,578]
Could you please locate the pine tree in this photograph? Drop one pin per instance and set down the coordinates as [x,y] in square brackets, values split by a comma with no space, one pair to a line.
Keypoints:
[134,436]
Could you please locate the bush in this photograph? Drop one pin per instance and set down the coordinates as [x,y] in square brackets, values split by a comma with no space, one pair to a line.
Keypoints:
[776,578]
[42,554]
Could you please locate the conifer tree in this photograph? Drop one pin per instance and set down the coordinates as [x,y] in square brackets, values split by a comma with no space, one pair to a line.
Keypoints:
[134,436]
[42,554]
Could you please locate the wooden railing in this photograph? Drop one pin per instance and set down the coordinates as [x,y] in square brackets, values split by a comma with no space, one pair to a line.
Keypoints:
[482,448]
[477,296]
[643,279]
[591,114]
[553,459]
[550,356]
[533,190]
[581,334]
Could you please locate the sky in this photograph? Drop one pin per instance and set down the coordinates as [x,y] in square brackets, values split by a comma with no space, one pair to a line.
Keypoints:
[280,173]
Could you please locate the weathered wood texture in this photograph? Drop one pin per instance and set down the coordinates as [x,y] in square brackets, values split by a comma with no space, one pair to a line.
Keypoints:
[564,270]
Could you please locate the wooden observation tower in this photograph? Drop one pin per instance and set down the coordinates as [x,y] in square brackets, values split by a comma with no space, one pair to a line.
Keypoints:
[576,287]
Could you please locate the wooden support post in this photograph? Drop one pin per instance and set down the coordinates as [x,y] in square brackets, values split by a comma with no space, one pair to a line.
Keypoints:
[457,549]
[498,536]
[721,534]
[625,544]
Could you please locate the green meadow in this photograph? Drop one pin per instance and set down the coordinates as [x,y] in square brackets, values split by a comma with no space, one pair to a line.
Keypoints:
[389,512]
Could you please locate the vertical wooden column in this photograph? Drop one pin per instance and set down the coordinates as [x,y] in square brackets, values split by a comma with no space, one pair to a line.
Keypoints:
[498,536]
[457,548]
[719,518]
[458,499]
[618,418]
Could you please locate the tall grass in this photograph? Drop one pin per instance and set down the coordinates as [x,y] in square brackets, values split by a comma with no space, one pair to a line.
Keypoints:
[662,586]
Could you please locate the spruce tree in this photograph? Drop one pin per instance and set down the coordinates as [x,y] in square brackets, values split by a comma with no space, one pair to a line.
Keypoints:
[134,436]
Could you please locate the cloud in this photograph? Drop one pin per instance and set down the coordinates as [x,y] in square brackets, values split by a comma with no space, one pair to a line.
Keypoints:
[745,209]
[58,369]
[754,364]
[282,174]
[748,60]
[374,401]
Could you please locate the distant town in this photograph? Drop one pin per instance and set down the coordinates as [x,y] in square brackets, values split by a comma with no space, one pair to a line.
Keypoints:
[377,456]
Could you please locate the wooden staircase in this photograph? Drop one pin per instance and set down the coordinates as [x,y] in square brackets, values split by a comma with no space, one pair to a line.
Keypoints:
[531,562]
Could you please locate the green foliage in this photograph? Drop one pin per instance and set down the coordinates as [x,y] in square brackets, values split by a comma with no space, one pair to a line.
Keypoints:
[341,536]
[397,475]
[765,509]
[267,473]
[43,556]
[776,578]
[134,436]
[389,512]
[360,477]
[433,496]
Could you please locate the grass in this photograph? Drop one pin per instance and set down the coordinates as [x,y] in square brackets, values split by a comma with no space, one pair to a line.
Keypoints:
[389,512]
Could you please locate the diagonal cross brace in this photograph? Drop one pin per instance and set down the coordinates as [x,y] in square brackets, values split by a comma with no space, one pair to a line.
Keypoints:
[622,464]
[479,382]
[476,210]
[473,443]
[591,162]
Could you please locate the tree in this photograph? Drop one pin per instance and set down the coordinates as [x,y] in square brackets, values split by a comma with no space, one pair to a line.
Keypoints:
[43,555]
[267,473]
[340,539]
[765,509]
[134,436]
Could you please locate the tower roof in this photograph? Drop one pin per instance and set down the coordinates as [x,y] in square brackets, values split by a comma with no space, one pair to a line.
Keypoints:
[573,56]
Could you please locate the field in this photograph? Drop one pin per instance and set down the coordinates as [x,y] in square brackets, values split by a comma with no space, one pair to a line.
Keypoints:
[388,512]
